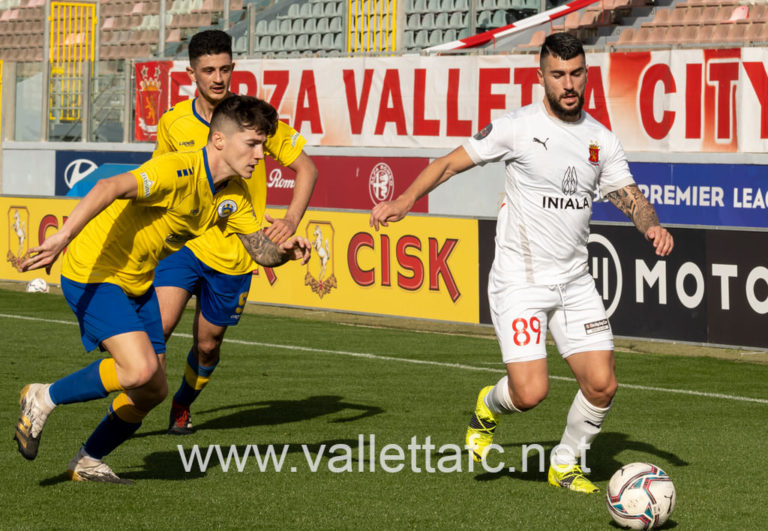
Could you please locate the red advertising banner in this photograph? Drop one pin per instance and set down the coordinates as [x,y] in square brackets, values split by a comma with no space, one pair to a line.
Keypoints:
[350,182]
[660,101]
[152,83]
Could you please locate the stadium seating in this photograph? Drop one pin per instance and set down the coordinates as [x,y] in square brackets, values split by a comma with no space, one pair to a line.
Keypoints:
[291,27]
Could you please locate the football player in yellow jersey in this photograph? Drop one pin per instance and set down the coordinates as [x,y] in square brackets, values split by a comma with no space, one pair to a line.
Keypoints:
[115,237]
[214,267]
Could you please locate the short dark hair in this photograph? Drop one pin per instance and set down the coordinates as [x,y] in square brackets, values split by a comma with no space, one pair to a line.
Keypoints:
[247,112]
[562,45]
[209,42]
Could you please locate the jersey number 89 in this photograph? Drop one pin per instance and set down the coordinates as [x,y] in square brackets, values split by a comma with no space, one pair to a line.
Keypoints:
[521,328]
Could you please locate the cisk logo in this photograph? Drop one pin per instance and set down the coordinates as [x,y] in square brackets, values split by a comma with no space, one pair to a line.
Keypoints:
[320,275]
[18,232]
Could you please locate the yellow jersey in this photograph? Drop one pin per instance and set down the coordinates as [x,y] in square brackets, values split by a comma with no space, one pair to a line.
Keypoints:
[182,128]
[176,202]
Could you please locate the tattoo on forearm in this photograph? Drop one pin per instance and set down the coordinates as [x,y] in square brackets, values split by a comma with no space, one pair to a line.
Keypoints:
[635,206]
[263,250]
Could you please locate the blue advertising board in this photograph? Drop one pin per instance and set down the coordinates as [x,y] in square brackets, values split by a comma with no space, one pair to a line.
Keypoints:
[712,195]
[74,166]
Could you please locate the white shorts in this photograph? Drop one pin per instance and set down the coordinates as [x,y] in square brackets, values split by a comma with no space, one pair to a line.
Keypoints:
[573,312]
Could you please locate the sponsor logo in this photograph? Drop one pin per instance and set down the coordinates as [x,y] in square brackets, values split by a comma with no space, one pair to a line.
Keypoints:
[77,170]
[178,238]
[186,143]
[295,138]
[594,153]
[276,180]
[597,326]
[18,232]
[485,131]
[147,184]
[606,270]
[320,275]
[563,203]
[381,183]
[226,208]
[570,181]
[542,142]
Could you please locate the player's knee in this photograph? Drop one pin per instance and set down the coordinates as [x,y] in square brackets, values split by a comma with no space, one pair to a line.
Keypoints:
[139,374]
[527,398]
[208,352]
[600,393]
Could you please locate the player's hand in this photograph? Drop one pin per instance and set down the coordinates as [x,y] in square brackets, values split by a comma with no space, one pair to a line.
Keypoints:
[279,230]
[387,211]
[661,239]
[43,255]
[297,248]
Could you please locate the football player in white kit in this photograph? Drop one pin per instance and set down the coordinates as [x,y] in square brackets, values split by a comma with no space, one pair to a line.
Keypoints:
[556,158]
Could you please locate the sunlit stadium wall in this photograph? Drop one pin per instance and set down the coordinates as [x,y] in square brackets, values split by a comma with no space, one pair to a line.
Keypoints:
[708,183]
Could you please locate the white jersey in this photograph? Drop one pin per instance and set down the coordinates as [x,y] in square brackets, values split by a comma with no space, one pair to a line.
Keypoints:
[553,169]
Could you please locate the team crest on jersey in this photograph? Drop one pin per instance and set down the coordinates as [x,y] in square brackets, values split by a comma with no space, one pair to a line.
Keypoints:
[18,233]
[594,153]
[226,208]
[485,131]
[320,275]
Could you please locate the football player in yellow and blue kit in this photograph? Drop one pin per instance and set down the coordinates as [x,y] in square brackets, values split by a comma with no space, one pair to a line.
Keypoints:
[215,267]
[116,236]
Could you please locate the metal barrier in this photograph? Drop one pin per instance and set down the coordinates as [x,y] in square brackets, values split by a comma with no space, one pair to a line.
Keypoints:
[372,25]
[71,39]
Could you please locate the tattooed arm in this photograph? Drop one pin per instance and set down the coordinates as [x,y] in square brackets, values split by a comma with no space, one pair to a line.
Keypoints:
[269,254]
[636,207]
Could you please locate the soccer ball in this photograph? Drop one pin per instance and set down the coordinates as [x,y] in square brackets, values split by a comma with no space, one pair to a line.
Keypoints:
[37,285]
[640,496]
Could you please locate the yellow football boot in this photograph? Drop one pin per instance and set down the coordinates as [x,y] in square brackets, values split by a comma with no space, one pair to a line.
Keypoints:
[570,477]
[482,424]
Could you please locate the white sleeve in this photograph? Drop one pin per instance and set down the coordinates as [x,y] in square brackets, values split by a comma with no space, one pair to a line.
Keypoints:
[492,143]
[614,173]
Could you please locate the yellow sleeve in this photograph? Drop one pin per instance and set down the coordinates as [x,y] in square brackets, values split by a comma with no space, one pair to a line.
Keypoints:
[285,145]
[155,185]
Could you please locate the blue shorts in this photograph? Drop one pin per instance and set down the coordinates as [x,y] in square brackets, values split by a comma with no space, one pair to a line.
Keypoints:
[221,296]
[104,310]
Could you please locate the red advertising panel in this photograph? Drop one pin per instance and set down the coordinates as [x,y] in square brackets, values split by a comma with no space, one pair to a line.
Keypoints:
[350,182]
[152,84]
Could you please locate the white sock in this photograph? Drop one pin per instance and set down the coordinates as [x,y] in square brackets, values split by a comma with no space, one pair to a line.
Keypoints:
[48,399]
[499,401]
[583,425]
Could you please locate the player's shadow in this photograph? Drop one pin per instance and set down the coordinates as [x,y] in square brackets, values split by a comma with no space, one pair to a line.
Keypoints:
[669,524]
[272,412]
[600,458]
[170,466]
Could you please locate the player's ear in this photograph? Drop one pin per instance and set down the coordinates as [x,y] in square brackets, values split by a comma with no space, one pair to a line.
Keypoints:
[191,74]
[217,138]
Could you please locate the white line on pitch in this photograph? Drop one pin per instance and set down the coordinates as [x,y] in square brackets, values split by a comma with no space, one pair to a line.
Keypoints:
[428,362]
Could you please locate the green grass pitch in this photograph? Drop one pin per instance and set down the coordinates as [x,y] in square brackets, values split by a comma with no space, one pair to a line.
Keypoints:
[703,420]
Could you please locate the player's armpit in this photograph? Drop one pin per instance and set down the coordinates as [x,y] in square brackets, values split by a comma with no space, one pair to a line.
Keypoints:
[631,201]
[263,250]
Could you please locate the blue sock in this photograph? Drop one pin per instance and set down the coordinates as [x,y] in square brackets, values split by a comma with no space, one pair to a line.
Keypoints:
[112,431]
[194,380]
[85,384]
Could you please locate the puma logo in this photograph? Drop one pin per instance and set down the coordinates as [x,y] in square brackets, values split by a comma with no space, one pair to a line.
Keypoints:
[543,143]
